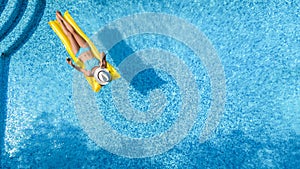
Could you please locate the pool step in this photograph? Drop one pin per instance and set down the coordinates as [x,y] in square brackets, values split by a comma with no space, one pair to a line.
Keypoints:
[2,5]
[7,8]
[11,16]
[15,24]
[17,35]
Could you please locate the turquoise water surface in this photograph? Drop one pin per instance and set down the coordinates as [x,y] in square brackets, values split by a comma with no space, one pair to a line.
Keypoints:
[205,84]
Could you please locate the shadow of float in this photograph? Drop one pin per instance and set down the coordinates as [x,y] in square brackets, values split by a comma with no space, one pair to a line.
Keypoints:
[144,84]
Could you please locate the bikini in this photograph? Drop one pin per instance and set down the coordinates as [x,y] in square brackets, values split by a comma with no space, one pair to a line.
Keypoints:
[91,63]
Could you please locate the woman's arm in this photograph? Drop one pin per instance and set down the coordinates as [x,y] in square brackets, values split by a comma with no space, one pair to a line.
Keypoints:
[85,72]
[103,63]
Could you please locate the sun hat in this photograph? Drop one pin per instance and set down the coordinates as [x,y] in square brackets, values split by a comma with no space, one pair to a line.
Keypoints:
[102,76]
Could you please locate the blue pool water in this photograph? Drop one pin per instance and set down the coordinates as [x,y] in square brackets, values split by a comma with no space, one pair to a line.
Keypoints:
[205,84]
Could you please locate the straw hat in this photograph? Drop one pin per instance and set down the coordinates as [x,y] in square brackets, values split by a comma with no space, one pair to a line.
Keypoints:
[102,76]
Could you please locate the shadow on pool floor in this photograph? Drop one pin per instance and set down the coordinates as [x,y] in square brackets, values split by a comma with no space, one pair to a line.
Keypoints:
[119,52]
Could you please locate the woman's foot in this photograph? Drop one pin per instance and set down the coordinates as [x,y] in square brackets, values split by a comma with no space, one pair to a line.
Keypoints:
[59,17]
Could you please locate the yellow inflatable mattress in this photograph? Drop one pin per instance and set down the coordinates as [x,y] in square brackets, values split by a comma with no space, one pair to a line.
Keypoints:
[58,30]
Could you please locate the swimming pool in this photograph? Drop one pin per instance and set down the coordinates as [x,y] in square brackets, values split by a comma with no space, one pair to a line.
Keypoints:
[205,84]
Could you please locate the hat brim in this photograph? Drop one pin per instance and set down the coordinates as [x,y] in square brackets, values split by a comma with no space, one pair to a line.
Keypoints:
[96,76]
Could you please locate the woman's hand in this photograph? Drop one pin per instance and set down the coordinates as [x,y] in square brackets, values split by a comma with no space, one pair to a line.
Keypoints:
[69,62]
[85,72]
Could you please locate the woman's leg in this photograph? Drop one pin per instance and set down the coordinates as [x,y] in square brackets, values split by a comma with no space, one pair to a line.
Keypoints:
[75,46]
[78,38]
